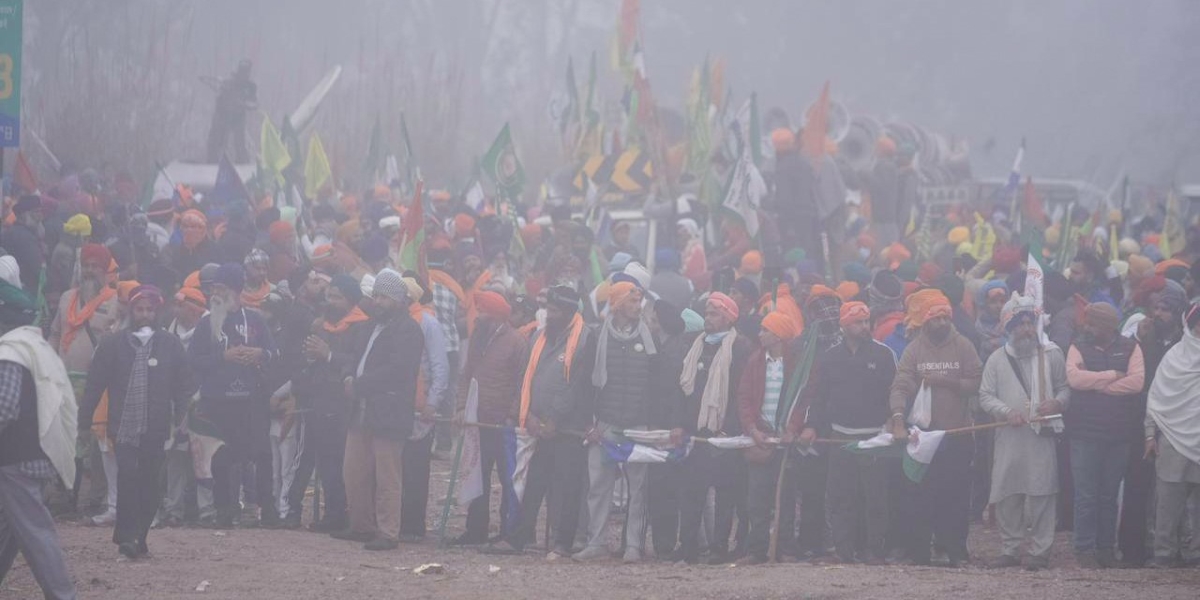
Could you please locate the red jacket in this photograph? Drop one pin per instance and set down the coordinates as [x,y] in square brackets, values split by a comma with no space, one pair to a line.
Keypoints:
[754,386]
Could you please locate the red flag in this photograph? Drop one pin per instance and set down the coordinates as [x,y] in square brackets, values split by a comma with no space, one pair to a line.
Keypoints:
[812,139]
[23,175]
[1031,209]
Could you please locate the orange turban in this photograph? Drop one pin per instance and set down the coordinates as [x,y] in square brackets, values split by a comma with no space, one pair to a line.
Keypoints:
[280,232]
[847,290]
[819,290]
[783,139]
[350,205]
[885,146]
[923,305]
[1161,268]
[464,225]
[95,254]
[192,298]
[781,325]
[852,312]
[896,254]
[752,263]
[192,281]
[493,305]
[346,231]
[621,292]
[725,304]
[124,288]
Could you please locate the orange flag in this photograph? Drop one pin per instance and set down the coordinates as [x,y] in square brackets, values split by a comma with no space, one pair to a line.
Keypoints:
[23,175]
[812,139]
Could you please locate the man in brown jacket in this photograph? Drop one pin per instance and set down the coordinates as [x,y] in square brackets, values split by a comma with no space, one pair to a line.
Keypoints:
[496,359]
[945,362]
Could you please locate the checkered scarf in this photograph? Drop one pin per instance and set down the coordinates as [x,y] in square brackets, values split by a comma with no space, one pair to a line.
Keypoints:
[824,313]
[133,415]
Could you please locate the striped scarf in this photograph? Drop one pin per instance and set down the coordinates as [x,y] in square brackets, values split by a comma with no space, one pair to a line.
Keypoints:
[133,415]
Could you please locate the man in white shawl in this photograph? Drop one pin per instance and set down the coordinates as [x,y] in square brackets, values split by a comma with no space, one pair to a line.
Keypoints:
[1173,433]
[37,443]
[1025,380]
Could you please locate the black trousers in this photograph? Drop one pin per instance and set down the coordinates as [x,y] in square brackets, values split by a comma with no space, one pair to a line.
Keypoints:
[554,470]
[491,455]
[324,452]
[858,503]
[414,484]
[245,426]
[1131,531]
[813,473]
[939,506]
[763,481]
[139,490]
[705,468]
[662,499]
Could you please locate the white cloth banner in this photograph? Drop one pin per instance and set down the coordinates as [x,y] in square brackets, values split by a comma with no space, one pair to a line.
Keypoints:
[470,466]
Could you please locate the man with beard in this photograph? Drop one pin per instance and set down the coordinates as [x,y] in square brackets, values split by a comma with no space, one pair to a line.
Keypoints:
[1172,429]
[144,370]
[1024,380]
[847,395]
[23,240]
[283,249]
[37,422]
[822,313]
[626,361]
[496,360]
[943,360]
[554,394]
[383,387]
[1156,335]
[228,353]
[257,286]
[85,315]
[712,370]
[329,352]
[1106,373]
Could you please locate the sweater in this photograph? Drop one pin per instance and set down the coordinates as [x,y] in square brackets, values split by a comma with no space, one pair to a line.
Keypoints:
[953,357]
[849,390]
[752,389]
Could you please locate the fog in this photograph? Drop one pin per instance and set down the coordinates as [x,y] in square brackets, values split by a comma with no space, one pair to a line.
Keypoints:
[1098,88]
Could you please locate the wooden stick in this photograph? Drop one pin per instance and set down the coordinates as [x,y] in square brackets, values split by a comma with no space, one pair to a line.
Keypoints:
[773,547]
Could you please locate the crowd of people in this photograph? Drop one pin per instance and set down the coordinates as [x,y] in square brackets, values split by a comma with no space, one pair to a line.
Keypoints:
[224,357]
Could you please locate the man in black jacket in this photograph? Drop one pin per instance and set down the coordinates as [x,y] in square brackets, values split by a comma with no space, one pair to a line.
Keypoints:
[383,384]
[23,240]
[145,372]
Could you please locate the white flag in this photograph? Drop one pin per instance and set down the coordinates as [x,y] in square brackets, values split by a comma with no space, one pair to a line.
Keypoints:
[746,191]
[470,469]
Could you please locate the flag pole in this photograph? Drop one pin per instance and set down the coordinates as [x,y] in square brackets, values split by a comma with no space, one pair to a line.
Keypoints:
[773,547]
[450,489]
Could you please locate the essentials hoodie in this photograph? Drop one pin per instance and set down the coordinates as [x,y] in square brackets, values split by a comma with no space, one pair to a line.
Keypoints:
[956,357]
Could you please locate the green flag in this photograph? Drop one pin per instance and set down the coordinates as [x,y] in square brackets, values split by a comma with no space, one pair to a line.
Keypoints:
[503,167]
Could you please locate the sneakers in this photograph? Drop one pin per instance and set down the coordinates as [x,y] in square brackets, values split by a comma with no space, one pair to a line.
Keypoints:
[1005,562]
[107,517]
[591,553]
[129,550]
[632,555]
[381,543]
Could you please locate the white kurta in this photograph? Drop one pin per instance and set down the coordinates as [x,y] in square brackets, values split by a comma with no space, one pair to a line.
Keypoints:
[1024,462]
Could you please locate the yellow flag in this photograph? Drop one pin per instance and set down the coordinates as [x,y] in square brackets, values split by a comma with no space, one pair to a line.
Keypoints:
[316,168]
[274,152]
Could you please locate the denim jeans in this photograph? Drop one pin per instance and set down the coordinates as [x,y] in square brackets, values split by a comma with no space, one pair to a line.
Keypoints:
[1097,468]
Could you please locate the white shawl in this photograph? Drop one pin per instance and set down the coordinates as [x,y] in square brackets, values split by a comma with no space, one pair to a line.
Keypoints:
[57,411]
[1174,400]
[716,390]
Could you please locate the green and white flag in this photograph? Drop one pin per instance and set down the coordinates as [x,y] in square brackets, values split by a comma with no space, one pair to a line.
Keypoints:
[745,192]
[503,167]
[915,456]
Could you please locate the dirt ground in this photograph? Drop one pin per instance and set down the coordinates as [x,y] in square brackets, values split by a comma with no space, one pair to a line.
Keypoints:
[297,565]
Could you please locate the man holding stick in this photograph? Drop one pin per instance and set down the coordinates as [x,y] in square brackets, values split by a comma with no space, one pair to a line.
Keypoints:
[848,391]
[946,363]
[1023,380]
[763,403]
